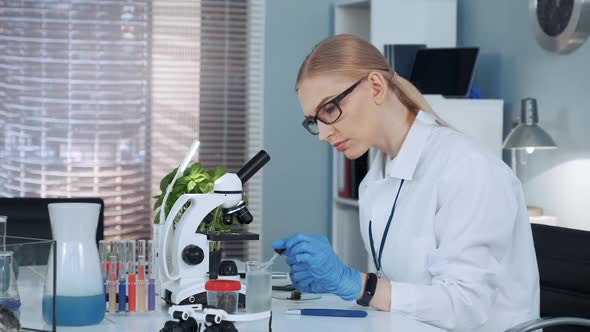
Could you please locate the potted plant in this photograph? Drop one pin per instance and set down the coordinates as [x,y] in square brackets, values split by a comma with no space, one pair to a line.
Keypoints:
[194,180]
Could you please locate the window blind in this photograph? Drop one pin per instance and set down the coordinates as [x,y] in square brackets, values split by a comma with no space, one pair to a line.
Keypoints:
[102,98]
[207,83]
[73,110]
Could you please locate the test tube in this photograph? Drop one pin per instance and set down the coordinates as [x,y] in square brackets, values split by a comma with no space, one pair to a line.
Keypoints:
[151,277]
[112,283]
[102,254]
[131,282]
[108,250]
[122,249]
[141,285]
[116,249]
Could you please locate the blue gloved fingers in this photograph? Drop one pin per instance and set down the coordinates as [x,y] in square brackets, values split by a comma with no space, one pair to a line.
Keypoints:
[299,267]
[300,275]
[297,259]
[295,239]
[300,248]
[304,285]
[279,244]
[290,260]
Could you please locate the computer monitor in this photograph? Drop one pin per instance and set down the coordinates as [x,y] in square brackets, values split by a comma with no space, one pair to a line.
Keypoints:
[401,57]
[444,71]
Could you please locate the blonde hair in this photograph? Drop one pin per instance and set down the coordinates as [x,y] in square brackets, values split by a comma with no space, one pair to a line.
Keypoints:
[353,57]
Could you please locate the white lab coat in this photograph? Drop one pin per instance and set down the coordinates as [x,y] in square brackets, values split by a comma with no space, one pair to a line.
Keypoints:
[459,252]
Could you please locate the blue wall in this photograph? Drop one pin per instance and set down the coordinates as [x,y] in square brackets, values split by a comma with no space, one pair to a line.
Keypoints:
[296,181]
[513,66]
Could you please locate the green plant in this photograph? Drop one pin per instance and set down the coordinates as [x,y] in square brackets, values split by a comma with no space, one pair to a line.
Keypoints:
[194,180]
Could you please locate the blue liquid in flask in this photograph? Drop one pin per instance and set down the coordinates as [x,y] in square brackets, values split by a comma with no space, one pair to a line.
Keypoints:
[75,310]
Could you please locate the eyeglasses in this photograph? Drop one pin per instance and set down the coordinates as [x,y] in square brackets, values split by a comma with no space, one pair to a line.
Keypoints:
[329,112]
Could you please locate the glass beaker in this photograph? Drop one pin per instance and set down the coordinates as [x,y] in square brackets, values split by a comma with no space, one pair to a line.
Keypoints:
[9,296]
[80,297]
[258,287]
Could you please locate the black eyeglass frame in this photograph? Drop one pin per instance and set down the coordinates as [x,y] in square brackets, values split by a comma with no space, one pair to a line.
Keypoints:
[309,121]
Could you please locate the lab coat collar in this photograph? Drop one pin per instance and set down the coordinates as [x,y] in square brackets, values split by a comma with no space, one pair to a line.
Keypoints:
[404,164]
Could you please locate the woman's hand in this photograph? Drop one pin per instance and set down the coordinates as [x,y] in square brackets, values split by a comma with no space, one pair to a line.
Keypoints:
[315,267]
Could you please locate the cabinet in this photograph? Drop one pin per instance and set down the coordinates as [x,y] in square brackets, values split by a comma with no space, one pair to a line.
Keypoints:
[430,22]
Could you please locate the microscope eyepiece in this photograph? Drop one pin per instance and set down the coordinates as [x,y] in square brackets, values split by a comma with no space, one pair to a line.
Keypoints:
[252,166]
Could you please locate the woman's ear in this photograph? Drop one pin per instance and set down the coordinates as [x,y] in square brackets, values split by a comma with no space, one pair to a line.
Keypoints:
[378,87]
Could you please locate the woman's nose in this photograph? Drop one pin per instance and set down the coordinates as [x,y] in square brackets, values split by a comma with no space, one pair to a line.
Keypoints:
[325,131]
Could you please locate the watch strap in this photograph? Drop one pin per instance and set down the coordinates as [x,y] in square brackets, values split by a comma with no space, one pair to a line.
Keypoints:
[369,292]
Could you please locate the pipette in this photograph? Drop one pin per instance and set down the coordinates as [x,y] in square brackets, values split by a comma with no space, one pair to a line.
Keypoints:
[278,252]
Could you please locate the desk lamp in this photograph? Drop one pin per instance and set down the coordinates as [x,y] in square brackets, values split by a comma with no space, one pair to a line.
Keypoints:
[527,135]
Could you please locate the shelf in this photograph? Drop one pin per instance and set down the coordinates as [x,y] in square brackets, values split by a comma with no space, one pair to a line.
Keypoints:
[347,201]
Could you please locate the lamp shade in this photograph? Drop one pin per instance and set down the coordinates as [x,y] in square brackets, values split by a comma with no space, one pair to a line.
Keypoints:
[528,134]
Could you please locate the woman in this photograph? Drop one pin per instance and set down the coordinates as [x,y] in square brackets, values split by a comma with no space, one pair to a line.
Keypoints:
[444,220]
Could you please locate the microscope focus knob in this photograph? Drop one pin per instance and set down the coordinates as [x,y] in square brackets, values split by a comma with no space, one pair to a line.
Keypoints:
[193,255]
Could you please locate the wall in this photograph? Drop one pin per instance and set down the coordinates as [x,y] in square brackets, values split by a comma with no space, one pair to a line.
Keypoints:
[513,66]
[297,179]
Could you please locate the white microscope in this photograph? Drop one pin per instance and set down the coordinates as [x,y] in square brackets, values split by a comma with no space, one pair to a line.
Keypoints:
[183,255]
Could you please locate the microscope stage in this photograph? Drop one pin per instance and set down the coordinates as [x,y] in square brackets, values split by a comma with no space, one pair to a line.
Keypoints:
[231,236]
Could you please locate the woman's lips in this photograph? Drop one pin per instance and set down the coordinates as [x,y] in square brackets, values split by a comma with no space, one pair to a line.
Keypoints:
[340,146]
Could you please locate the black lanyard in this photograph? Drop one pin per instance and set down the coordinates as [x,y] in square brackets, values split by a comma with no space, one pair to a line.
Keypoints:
[376,260]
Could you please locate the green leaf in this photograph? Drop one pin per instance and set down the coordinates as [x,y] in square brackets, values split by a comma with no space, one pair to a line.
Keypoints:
[191,185]
[173,197]
[182,181]
[195,168]
[158,202]
[219,172]
[203,187]
[167,179]
[200,177]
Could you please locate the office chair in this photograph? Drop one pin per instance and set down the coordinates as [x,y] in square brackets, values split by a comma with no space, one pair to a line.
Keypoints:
[28,217]
[563,256]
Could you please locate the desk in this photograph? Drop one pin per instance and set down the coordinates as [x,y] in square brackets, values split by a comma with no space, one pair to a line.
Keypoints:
[154,321]
[375,321]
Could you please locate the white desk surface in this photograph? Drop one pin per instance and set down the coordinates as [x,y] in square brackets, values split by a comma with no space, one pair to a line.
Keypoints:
[154,321]
[375,321]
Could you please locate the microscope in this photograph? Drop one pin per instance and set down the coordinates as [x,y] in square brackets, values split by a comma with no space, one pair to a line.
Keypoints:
[186,263]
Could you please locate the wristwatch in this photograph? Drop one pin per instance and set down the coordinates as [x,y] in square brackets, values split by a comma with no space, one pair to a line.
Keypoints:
[370,287]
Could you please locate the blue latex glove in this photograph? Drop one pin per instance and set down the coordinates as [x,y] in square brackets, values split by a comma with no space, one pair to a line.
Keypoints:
[304,281]
[316,268]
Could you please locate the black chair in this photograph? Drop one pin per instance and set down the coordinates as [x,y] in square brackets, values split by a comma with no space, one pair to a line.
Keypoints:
[28,217]
[563,256]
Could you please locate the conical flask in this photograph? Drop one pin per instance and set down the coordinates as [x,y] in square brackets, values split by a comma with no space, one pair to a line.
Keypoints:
[80,298]
[9,296]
